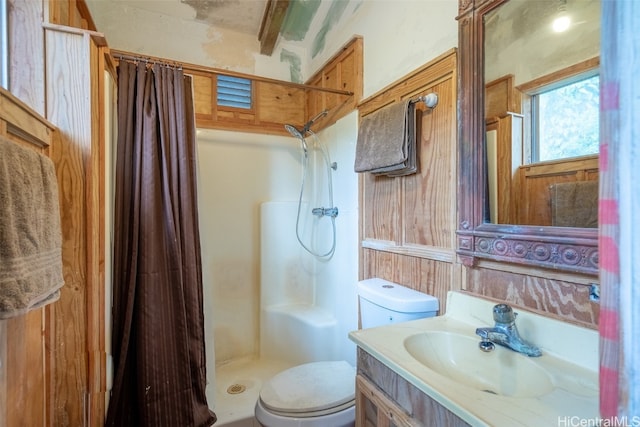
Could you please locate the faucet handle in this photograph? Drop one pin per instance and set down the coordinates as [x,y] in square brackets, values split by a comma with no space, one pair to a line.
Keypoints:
[503,313]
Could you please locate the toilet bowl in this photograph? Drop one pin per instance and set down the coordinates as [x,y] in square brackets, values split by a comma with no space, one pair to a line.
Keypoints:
[318,394]
[322,394]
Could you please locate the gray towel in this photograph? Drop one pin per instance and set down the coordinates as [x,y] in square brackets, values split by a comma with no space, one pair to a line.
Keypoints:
[574,204]
[386,141]
[411,164]
[30,234]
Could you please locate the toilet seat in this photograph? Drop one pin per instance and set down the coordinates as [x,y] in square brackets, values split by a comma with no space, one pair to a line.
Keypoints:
[310,390]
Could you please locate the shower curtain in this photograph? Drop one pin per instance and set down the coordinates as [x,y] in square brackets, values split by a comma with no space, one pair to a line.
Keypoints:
[158,326]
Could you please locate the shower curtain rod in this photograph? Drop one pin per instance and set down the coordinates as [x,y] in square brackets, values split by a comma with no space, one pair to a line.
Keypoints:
[136,59]
[193,67]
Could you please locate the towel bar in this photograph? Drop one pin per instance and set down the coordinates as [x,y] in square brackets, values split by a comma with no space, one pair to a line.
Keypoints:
[430,100]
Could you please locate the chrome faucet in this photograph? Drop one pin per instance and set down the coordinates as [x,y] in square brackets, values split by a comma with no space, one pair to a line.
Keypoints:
[505,333]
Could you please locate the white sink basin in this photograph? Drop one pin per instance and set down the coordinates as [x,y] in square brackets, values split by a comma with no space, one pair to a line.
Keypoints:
[501,371]
[441,358]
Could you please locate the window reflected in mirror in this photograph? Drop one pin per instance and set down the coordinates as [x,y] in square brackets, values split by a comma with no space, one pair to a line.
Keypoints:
[566,120]
[542,113]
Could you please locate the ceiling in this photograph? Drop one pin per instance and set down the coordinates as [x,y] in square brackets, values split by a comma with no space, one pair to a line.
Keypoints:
[241,15]
[266,20]
[261,18]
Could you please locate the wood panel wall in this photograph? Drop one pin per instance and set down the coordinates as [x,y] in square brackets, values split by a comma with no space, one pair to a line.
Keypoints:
[71,13]
[25,388]
[407,224]
[26,52]
[62,82]
[563,296]
[344,71]
[74,364]
[26,44]
[274,105]
[75,63]
[277,103]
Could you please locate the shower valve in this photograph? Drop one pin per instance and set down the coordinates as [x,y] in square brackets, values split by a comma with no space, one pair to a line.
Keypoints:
[320,212]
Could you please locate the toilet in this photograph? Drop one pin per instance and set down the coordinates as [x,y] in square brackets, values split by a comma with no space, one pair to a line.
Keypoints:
[322,394]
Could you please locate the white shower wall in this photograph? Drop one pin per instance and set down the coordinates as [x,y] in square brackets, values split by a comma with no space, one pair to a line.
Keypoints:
[293,327]
[336,279]
[237,172]
[309,303]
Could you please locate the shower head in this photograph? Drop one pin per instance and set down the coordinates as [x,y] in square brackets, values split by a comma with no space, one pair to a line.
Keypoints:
[297,134]
[293,131]
[300,133]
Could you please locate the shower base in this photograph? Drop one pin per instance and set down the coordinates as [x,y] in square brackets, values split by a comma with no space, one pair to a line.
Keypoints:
[238,385]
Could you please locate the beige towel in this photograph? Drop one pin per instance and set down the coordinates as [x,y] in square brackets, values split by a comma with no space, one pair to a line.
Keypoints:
[386,141]
[574,204]
[30,235]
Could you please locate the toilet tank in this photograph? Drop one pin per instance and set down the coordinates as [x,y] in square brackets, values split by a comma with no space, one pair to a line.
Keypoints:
[383,302]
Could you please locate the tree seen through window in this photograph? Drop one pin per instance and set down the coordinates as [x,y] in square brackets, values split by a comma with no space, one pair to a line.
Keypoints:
[568,121]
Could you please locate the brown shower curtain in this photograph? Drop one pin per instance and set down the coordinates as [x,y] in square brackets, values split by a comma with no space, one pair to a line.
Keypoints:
[158,326]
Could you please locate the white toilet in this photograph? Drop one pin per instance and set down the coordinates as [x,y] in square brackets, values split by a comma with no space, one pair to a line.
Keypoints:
[322,394]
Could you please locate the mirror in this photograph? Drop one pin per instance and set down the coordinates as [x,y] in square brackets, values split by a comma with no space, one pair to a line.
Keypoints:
[492,186]
[542,112]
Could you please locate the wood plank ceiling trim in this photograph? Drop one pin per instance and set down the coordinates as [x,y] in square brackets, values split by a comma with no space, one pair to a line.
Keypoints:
[272,19]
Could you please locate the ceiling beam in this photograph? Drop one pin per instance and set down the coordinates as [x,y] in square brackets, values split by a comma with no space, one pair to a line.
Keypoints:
[272,19]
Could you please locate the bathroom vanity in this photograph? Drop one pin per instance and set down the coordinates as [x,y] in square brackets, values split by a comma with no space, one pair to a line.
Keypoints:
[384,398]
[432,371]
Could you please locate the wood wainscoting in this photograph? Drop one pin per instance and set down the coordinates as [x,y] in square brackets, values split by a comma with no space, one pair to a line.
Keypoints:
[407,224]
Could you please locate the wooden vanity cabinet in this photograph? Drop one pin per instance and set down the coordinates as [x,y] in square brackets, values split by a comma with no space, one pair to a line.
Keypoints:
[375,408]
[385,399]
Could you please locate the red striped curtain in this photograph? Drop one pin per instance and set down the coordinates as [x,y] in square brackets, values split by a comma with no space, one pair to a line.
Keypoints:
[619,212]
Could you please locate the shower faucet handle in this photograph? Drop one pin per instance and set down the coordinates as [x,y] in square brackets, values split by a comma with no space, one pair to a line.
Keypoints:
[320,212]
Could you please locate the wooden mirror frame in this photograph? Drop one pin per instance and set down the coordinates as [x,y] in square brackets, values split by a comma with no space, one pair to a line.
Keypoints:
[558,248]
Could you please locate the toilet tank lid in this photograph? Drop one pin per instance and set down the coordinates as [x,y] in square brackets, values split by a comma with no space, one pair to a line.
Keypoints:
[396,297]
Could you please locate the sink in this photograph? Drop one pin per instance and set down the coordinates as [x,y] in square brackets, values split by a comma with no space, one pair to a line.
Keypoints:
[440,357]
[502,371]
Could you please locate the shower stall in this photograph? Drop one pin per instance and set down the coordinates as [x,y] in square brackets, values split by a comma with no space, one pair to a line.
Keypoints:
[271,303]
